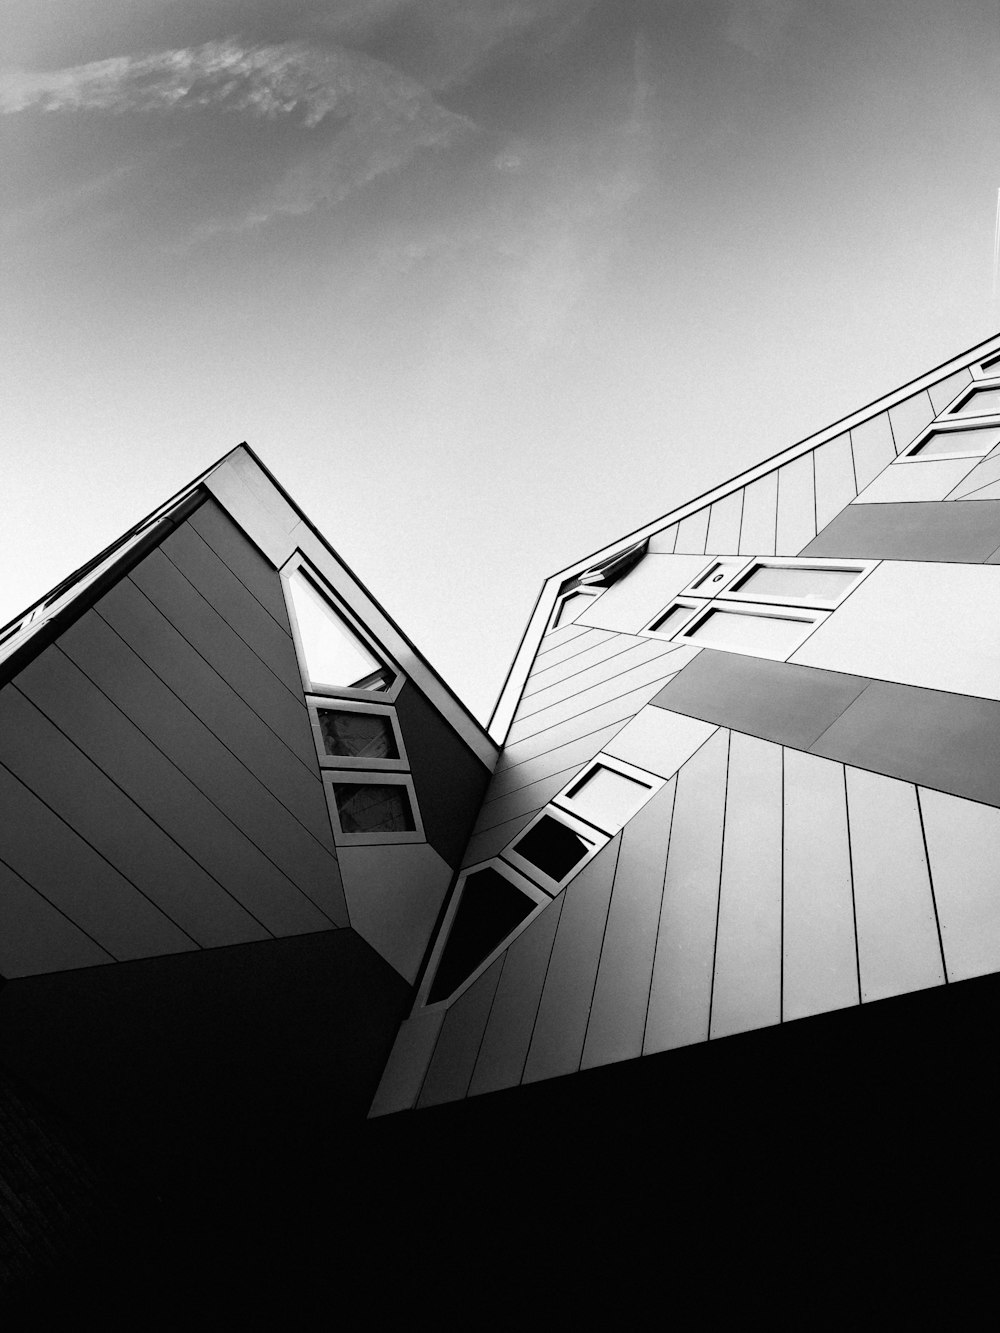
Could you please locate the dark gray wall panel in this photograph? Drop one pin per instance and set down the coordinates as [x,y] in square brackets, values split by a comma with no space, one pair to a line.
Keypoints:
[946,741]
[231,545]
[163,648]
[774,700]
[561,1025]
[206,631]
[967,531]
[37,937]
[458,1044]
[175,730]
[76,789]
[448,778]
[234,602]
[46,853]
[512,1018]
[57,686]
[486,844]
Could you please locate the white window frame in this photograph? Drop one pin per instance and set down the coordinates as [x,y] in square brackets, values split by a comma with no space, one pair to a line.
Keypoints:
[581,591]
[595,836]
[952,413]
[861,568]
[563,800]
[809,619]
[689,603]
[988,367]
[299,562]
[381,778]
[735,566]
[315,702]
[957,426]
[519,881]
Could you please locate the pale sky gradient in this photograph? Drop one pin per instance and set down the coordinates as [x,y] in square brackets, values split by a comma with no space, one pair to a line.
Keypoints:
[486,283]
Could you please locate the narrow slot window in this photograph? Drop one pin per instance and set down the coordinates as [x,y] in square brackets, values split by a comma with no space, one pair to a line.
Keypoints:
[489,908]
[796,583]
[746,632]
[955,443]
[606,798]
[336,657]
[715,578]
[673,619]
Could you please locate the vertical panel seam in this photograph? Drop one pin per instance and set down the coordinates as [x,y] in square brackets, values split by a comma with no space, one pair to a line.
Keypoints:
[812,456]
[663,889]
[930,882]
[718,901]
[541,991]
[854,468]
[739,530]
[781,922]
[489,1014]
[604,935]
[56,908]
[850,870]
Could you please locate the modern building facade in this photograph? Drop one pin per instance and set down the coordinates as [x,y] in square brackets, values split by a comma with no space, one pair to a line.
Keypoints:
[264,879]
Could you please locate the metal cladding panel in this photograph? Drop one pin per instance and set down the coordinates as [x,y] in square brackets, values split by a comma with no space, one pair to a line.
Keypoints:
[551,761]
[820,960]
[621,994]
[991,492]
[965,531]
[454,1057]
[555,638]
[407,1064]
[573,667]
[898,945]
[659,741]
[634,653]
[561,1024]
[163,648]
[38,937]
[873,449]
[724,525]
[215,527]
[245,494]
[586,638]
[663,542]
[941,740]
[512,1019]
[633,601]
[796,506]
[984,474]
[82,796]
[531,797]
[836,485]
[681,992]
[919,623]
[909,418]
[942,393]
[93,723]
[394,894]
[691,533]
[746,992]
[491,841]
[776,701]
[220,646]
[916,481]
[760,511]
[37,845]
[963,848]
[185,740]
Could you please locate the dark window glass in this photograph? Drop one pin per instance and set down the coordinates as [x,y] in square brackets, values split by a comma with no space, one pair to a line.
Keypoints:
[360,735]
[489,909]
[373,807]
[553,848]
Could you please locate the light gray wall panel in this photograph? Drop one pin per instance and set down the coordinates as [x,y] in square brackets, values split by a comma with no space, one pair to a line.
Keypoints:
[58,687]
[991,492]
[250,567]
[458,1045]
[985,473]
[963,846]
[660,741]
[898,947]
[760,507]
[35,936]
[407,1064]
[919,623]
[820,953]
[66,780]
[632,602]
[206,631]
[663,543]
[836,485]
[512,1018]
[201,757]
[691,533]
[621,994]
[873,448]
[591,656]
[909,417]
[220,708]
[963,530]
[561,1025]
[945,390]
[633,655]
[796,506]
[531,797]
[569,648]
[916,481]
[724,525]
[746,992]
[234,602]
[776,701]
[575,753]
[48,855]
[658,668]
[681,991]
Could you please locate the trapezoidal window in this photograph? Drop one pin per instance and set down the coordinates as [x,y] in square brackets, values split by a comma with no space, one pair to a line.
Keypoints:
[553,848]
[570,607]
[978,402]
[490,908]
[370,808]
[756,633]
[356,735]
[935,443]
[607,797]
[336,656]
[799,585]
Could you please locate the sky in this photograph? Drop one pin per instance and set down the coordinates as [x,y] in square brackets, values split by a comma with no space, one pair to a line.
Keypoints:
[485,283]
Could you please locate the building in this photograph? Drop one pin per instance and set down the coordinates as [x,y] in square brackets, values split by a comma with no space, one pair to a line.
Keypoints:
[288,936]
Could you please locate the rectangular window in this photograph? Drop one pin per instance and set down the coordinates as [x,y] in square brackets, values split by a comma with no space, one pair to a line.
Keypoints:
[608,793]
[553,848]
[760,633]
[369,808]
[352,734]
[973,443]
[803,585]
[978,403]
[676,616]
[711,582]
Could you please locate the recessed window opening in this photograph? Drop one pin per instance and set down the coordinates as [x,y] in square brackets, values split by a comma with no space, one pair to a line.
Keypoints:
[978,402]
[716,577]
[357,735]
[336,657]
[606,798]
[954,443]
[758,633]
[489,909]
[796,583]
[553,848]
[570,607]
[987,365]
[373,807]
[673,618]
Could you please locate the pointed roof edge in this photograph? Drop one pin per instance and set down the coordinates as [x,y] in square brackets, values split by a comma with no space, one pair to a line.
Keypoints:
[503,709]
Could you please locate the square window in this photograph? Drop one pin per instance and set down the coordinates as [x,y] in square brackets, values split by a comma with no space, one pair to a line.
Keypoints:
[357,735]
[373,807]
[606,797]
[553,848]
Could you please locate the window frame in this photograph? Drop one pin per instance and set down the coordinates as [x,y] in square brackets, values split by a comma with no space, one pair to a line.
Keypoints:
[738,563]
[988,367]
[953,413]
[597,837]
[562,800]
[369,778]
[809,617]
[862,568]
[949,426]
[693,603]
[315,702]
[581,591]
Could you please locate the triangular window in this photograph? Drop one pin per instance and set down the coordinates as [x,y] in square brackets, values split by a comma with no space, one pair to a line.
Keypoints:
[336,657]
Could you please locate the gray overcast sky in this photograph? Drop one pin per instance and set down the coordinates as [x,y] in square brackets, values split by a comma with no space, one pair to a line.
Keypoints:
[486,283]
